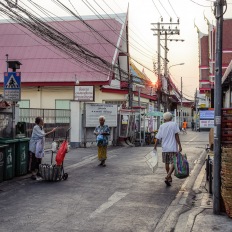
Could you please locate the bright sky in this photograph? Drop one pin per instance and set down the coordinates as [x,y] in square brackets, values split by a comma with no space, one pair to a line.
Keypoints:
[143,45]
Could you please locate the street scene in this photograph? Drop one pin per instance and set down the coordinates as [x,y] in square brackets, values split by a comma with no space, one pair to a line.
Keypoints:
[123,196]
[115,115]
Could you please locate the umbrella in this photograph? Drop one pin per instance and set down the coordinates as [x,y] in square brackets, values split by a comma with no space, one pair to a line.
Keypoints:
[155,114]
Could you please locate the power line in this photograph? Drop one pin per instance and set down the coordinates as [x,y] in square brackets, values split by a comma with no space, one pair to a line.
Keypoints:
[164,8]
[129,28]
[90,27]
[157,9]
[198,4]
[172,8]
[112,29]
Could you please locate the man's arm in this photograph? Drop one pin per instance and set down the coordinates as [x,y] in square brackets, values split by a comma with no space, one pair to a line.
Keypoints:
[156,143]
[178,141]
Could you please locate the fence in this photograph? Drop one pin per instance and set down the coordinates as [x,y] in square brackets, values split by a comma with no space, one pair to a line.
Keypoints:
[52,118]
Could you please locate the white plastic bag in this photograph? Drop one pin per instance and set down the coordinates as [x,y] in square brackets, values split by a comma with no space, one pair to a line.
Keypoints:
[152,160]
[39,149]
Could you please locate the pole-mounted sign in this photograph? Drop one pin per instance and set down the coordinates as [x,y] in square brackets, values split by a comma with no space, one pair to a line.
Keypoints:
[12,86]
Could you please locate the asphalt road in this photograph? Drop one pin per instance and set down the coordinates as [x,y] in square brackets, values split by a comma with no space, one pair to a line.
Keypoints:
[123,196]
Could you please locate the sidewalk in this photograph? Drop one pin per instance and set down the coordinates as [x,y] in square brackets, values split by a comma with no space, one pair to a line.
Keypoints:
[192,210]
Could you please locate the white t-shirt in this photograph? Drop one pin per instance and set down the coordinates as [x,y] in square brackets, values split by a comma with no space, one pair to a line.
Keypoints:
[167,133]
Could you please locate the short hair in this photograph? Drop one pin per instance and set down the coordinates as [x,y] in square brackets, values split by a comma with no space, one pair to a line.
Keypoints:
[38,120]
[103,117]
[167,116]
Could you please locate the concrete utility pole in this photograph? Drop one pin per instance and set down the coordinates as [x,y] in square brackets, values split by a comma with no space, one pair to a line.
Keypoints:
[181,102]
[217,107]
[160,30]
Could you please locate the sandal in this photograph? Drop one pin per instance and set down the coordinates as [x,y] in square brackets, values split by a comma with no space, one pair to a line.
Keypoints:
[170,179]
[167,182]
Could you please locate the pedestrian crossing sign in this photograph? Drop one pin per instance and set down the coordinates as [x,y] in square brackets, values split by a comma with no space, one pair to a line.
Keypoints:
[12,86]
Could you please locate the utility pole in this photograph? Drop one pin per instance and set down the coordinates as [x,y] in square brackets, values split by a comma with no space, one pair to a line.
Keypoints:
[181,102]
[217,107]
[160,30]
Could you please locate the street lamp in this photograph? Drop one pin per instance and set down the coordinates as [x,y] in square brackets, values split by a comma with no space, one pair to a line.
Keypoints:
[175,65]
[181,104]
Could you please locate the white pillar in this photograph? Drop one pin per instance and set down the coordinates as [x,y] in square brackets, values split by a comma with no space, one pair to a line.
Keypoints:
[76,124]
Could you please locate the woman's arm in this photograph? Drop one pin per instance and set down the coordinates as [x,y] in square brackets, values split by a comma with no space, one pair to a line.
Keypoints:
[49,132]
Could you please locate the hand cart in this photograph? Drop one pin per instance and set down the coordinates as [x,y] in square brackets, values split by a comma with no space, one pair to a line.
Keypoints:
[55,172]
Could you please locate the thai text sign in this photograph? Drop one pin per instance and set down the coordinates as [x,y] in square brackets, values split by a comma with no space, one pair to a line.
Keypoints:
[206,114]
[12,86]
[94,111]
[206,123]
[84,93]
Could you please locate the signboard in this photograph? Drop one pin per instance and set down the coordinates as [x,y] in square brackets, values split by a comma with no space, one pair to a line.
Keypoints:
[206,114]
[12,86]
[94,111]
[84,93]
[206,123]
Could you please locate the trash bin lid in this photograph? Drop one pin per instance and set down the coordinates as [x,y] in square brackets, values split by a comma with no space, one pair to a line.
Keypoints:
[23,139]
[2,146]
[8,140]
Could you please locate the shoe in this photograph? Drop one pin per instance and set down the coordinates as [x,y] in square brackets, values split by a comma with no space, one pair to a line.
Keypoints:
[38,174]
[170,179]
[167,182]
[103,165]
[33,177]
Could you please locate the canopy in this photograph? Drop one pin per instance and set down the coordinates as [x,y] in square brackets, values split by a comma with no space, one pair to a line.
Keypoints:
[155,114]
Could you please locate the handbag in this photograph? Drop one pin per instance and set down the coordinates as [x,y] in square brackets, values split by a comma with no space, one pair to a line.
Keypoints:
[181,166]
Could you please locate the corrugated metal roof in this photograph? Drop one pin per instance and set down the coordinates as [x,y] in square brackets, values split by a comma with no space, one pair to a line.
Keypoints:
[42,62]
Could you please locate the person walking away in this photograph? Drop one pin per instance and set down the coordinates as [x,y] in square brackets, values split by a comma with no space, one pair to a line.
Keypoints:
[168,132]
[192,125]
[184,126]
[102,132]
[36,146]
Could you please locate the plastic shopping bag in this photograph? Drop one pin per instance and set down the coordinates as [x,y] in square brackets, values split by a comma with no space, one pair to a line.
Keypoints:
[100,139]
[181,166]
[39,149]
[152,160]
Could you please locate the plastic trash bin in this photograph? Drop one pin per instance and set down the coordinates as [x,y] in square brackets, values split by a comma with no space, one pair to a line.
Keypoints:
[2,156]
[9,159]
[21,156]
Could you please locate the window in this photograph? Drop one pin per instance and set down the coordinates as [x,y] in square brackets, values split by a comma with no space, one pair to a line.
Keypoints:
[24,104]
[63,104]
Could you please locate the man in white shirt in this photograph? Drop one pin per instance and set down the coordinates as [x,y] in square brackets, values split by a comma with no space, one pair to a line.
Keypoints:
[168,132]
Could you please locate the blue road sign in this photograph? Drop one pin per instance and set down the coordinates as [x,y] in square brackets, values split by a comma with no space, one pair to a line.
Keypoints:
[12,86]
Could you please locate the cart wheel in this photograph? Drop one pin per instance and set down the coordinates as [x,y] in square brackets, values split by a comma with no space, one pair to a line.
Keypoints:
[65,176]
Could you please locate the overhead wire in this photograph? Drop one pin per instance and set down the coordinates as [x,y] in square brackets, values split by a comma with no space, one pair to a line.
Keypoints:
[90,27]
[90,6]
[132,38]
[172,8]
[199,4]
[164,9]
[52,34]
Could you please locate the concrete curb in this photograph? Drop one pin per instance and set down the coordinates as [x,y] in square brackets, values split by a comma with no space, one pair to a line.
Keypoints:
[183,202]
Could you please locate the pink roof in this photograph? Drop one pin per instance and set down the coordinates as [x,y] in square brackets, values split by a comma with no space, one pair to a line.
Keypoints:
[42,62]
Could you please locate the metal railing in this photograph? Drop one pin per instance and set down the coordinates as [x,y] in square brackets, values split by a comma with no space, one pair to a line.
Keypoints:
[52,118]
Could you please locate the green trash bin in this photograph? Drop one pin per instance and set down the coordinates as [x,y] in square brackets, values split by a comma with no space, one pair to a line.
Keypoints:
[21,156]
[2,156]
[9,159]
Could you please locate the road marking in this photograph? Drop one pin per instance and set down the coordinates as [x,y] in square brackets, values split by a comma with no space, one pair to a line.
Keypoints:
[191,140]
[117,196]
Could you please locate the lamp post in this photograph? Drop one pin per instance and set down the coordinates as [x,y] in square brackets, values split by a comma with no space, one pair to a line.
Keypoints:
[181,103]
[175,65]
